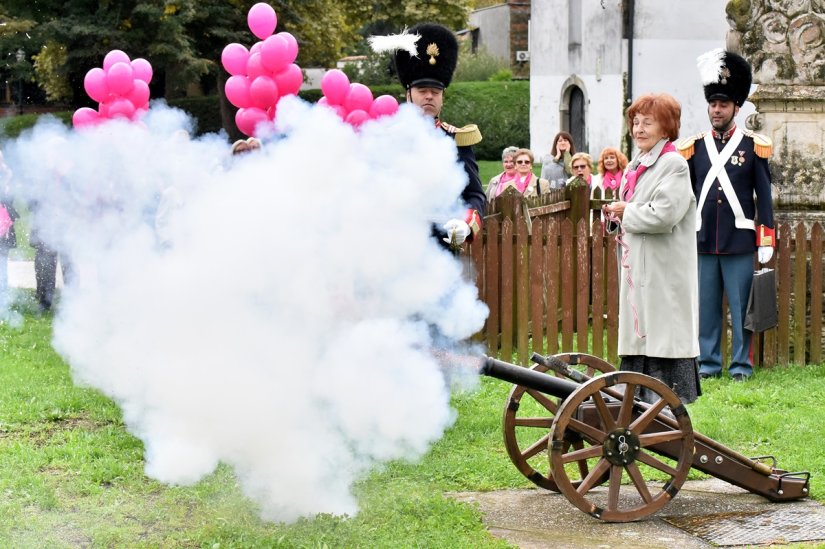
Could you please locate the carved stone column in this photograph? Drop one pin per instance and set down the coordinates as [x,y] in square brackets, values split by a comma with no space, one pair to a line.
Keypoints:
[784,40]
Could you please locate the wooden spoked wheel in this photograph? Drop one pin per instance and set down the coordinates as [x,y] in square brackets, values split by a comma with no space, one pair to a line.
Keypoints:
[528,416]
[620,441]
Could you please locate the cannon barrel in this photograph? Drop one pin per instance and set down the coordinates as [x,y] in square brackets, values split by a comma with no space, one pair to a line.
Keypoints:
[526,377]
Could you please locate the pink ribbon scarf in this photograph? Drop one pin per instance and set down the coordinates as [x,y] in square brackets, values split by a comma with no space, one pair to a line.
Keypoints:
[612,180]
[633,176]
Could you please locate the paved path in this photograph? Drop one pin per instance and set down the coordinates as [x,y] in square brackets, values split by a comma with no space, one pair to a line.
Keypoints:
[21,274]
[539,519]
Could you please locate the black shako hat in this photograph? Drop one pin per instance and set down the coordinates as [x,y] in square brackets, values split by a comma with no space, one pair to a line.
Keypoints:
[434,64]
[725,75]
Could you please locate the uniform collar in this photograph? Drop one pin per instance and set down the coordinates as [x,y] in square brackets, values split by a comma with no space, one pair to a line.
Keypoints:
[724,136]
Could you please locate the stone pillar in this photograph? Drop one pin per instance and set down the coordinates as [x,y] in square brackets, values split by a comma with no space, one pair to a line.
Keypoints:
[784,40]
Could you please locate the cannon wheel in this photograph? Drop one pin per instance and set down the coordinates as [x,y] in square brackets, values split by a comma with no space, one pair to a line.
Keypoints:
[619,444]
[527,433]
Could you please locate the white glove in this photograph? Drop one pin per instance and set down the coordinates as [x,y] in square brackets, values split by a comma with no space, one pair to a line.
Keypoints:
[457,231]
[764,254]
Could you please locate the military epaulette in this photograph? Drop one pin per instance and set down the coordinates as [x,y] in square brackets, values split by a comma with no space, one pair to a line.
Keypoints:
[762,144]
[686,146]
[465,136]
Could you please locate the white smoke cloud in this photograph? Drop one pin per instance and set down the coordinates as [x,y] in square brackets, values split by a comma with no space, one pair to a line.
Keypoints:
[286,329]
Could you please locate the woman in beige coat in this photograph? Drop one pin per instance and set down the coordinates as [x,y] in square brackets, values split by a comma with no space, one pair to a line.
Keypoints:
[659,294]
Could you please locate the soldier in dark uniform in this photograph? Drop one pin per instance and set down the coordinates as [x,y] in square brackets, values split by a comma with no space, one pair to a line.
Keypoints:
[425,75]
[728,167]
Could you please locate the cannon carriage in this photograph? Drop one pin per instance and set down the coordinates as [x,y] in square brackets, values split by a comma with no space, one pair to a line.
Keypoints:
[574,430]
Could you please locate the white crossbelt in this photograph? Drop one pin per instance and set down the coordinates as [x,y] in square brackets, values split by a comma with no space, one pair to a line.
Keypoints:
[717,170]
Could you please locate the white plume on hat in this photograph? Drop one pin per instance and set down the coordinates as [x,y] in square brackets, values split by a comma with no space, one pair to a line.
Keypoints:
[394,42]
[710,65]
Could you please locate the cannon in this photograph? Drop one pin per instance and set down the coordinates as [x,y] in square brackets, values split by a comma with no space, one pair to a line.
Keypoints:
[590,426]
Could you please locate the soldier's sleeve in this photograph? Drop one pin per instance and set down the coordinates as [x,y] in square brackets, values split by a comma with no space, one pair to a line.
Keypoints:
[763,148]
[473,193]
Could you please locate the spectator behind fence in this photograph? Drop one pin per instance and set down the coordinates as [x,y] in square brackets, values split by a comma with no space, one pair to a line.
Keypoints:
[612,163]
[523,180]
[499,182]
[656,219]
[582,165]
[555,167]
[8,238]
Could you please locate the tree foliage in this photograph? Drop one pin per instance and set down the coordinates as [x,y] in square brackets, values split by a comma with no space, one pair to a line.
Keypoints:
[183,39]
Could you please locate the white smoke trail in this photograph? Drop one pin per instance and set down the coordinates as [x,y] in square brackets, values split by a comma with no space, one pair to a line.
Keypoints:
[286,329]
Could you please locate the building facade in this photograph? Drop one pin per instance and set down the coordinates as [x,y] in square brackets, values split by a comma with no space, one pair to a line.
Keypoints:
[585,68]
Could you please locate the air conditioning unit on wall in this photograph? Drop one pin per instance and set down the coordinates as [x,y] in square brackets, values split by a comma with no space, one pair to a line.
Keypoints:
[522,56]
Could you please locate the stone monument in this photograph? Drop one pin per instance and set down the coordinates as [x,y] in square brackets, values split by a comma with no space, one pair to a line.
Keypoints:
[784,40]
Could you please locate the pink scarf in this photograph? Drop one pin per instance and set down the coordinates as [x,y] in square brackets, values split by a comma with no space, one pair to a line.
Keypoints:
[633,175]
[520,184]
[612,180]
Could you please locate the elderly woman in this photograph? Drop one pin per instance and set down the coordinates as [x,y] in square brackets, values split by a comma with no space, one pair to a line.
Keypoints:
[555,167]
[499,182]
[656,217]
[611,165]
[582,165]
[524,180]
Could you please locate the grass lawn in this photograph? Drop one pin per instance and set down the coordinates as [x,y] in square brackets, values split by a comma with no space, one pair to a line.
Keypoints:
[71,475]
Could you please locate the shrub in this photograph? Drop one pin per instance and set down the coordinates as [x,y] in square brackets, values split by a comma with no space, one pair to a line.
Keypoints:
[478,67]
[500,109]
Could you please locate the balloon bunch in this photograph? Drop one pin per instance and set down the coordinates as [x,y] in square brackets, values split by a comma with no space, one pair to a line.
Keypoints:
[354,102]
[262,74]
[121,89]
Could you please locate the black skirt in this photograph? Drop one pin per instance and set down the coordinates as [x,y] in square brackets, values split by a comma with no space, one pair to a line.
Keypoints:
[680,374]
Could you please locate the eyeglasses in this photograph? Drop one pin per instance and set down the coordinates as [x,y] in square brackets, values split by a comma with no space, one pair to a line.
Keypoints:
[523,162]
[580,167]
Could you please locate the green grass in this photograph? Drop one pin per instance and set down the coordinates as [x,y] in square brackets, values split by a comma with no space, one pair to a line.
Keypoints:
[71,475]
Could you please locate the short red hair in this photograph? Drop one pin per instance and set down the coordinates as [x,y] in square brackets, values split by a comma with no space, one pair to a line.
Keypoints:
[661,106]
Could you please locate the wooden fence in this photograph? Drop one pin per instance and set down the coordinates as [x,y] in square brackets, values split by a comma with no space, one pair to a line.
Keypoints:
[550,279]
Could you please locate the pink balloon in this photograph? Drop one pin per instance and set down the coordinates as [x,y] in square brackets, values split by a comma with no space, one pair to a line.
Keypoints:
[248,120]
[292,46]
[114,56]
[340,111]
[357,117]
[323,101]
[264,92]
[272,112]
[254,67]
[234,58]
[335,85]
[289,80]
[95,85]
[237,91]
[384,105]
[120,78]
[142,70]
[256,47]
[262,20]
[139,96]
[103,109]
[85,117]
[121,107]
[359,98]
[274,53]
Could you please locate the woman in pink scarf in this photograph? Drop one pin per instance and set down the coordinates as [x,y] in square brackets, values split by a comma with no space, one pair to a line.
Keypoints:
[521,178]
[611,165]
